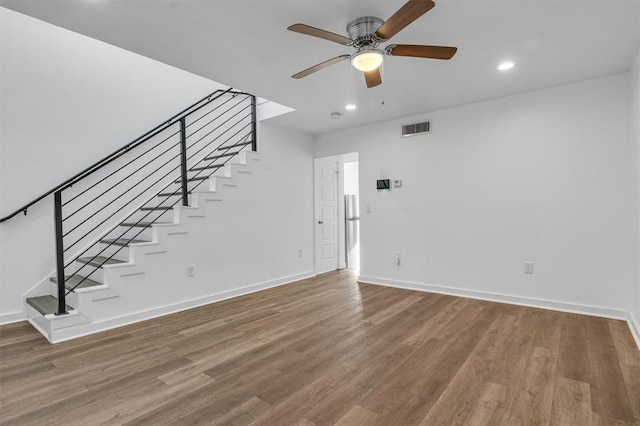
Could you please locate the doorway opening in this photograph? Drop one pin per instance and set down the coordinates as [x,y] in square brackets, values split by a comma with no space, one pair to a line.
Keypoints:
[336,219]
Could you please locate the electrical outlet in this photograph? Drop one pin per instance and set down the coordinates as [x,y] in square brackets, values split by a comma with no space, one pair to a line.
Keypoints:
[191,271]
[528,267]
[299,252]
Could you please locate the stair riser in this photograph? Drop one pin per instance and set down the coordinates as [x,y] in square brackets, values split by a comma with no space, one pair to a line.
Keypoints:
[126,232]
[222,185]
[122,254]
[170,200]
[98,275]
[118,252]
[71,298]
[202,185]
[212,184]
[52,326]
[152,216]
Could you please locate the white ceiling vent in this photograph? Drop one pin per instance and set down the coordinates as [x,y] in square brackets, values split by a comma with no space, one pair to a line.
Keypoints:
[416,129]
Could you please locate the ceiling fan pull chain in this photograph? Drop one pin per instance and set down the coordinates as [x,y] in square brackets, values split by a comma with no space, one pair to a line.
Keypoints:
[383,89]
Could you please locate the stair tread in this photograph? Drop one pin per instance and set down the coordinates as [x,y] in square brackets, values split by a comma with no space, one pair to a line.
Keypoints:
[100,261]
[167,208]
[122,241]
[235,145]
[212,166]
[45,304]
[72,281]
[144,224]
[172,194]
[228,154]
[192,179]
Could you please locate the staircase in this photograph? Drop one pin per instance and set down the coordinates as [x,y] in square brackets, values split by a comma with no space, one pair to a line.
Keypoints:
[120,214]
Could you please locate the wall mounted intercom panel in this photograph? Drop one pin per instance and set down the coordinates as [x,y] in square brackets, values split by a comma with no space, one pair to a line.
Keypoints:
[384,185]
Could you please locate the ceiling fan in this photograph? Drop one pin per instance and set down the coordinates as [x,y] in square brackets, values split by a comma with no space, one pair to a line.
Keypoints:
[367,33]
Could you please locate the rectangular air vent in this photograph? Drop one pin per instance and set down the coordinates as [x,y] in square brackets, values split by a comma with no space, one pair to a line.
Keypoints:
[415,129]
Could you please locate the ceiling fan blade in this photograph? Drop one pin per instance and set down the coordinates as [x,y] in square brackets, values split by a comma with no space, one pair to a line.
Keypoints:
[422,51]
[317,32]
[408,13]
[373,78]
[320,66]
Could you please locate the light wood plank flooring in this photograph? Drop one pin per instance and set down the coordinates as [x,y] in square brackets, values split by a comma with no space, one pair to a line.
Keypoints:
[327,351]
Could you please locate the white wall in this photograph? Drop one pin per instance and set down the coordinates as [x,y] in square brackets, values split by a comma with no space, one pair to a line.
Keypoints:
[67,101]
[635,137]
[286,206]
[545,176]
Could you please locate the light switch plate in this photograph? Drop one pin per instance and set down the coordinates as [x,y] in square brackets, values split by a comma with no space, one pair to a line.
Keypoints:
[528,267]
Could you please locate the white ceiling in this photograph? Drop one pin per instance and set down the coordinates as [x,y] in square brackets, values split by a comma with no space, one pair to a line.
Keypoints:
[245,44]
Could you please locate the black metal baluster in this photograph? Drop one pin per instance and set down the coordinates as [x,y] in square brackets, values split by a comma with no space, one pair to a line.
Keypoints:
[254,120]
[57,213]
[183,161]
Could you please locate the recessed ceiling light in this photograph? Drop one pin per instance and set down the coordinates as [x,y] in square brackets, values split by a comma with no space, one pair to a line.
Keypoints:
[506,66]
[351,107]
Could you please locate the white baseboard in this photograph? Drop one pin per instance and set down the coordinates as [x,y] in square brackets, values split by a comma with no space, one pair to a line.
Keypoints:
[501,298]
[12,317]
[634,326]
[92,328]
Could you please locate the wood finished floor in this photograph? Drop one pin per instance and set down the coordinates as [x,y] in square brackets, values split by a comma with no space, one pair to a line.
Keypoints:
[328,351]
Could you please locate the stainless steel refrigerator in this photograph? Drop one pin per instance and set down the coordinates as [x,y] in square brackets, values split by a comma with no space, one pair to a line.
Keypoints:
[352,231]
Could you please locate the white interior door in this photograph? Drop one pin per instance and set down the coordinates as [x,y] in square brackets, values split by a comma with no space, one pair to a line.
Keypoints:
[326,215]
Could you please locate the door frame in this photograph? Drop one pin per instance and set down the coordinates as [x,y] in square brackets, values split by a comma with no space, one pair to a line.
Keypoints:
[340,159]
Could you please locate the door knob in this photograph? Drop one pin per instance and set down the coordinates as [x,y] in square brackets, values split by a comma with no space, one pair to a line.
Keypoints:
[320,222]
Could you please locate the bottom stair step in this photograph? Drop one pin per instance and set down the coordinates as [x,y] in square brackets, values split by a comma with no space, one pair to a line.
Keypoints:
[45,304]
[72,281]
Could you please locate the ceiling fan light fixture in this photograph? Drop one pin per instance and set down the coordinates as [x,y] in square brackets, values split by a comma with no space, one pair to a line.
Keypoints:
[505,66]
[367,60]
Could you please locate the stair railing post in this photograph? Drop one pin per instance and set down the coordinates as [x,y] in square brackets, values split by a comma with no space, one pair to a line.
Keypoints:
[183,161]
[254,121]
[57,213]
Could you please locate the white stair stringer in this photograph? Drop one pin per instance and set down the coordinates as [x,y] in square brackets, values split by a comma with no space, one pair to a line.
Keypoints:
[126,294]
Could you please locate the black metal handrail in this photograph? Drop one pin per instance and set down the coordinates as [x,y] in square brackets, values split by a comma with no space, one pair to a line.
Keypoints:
[116,154]
[227,128]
